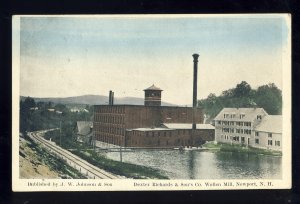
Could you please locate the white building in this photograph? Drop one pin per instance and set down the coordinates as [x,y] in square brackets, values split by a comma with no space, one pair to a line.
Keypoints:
[249,126]
[268,133]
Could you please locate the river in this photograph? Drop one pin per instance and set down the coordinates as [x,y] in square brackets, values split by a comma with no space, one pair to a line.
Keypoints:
[204,164]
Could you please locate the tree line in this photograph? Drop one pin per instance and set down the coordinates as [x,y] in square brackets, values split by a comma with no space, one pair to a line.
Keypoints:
[47,115]
[268,97]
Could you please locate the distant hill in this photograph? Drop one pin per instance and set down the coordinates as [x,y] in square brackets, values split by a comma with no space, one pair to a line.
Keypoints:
[94,100]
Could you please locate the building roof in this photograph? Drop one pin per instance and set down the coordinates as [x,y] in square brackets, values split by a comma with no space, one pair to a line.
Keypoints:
[270,123]
[150,129]
[188,126]
[250,113]
[153,87]
[84,127]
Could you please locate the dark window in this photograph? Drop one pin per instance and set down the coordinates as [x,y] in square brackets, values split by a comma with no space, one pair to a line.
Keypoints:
[270,142]
[269,134]
[256,141]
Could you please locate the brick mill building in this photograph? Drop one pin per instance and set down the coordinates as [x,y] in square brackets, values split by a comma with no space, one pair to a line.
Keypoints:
[149,125]
[152,125]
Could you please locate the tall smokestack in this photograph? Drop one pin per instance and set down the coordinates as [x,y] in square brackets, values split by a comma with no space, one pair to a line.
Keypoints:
[195,56]
[111,98]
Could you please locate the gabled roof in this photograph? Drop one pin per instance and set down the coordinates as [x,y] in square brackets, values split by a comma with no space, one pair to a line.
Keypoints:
[270,123]
[153,87]
[188,126]
[250,114]
[84,127]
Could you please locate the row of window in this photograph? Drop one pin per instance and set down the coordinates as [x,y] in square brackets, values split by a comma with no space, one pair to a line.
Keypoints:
[160,133]
[109,139]
[240,131]
[147,94]
[110,109]
[233,115]
[116,119]
[111,130]
[237,139]
[158,142]
[233,138]
[247,124]
[257,134]
[270,143]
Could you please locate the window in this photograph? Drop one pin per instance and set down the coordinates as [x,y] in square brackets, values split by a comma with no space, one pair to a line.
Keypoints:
[256,141]
[270,135]
[277,143]
[242,139]
[258,117]
[257,134]
[270,142]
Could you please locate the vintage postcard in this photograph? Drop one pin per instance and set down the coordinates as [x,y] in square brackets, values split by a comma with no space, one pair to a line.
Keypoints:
[151,102]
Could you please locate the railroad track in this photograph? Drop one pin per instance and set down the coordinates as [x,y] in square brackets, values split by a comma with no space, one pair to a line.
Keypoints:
[83,166]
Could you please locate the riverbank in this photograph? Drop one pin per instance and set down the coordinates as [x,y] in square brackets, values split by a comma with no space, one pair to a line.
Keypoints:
[211,146]
[85,152]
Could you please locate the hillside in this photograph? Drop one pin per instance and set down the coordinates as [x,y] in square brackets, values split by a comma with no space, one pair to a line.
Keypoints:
[94,100]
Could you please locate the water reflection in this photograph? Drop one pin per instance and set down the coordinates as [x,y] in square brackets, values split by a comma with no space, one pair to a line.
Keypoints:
[206,165]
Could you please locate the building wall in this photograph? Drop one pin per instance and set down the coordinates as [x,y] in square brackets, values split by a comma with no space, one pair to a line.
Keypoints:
[167,138]
[250,138]
[267,140]
[111,122]
[181,114]
[202,135]
[233,132]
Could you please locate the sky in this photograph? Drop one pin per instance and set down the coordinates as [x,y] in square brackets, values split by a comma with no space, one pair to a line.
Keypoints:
[71,56]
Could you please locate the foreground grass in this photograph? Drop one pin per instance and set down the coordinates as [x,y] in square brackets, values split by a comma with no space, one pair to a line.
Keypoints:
[240,149]
[55,164]
[120,168]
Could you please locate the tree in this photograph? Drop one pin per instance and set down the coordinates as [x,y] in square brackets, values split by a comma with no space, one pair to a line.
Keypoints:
[26,114]
[270,98]
[242,90]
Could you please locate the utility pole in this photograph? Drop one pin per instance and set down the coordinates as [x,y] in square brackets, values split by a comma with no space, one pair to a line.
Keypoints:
[60,132]
[120,153]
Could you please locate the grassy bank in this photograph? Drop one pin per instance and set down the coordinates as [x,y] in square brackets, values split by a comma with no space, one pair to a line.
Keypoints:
[120,168]
[55,164]
[240,149]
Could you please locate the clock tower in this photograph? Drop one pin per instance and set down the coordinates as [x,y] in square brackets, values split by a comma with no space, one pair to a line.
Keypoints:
[152,96]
